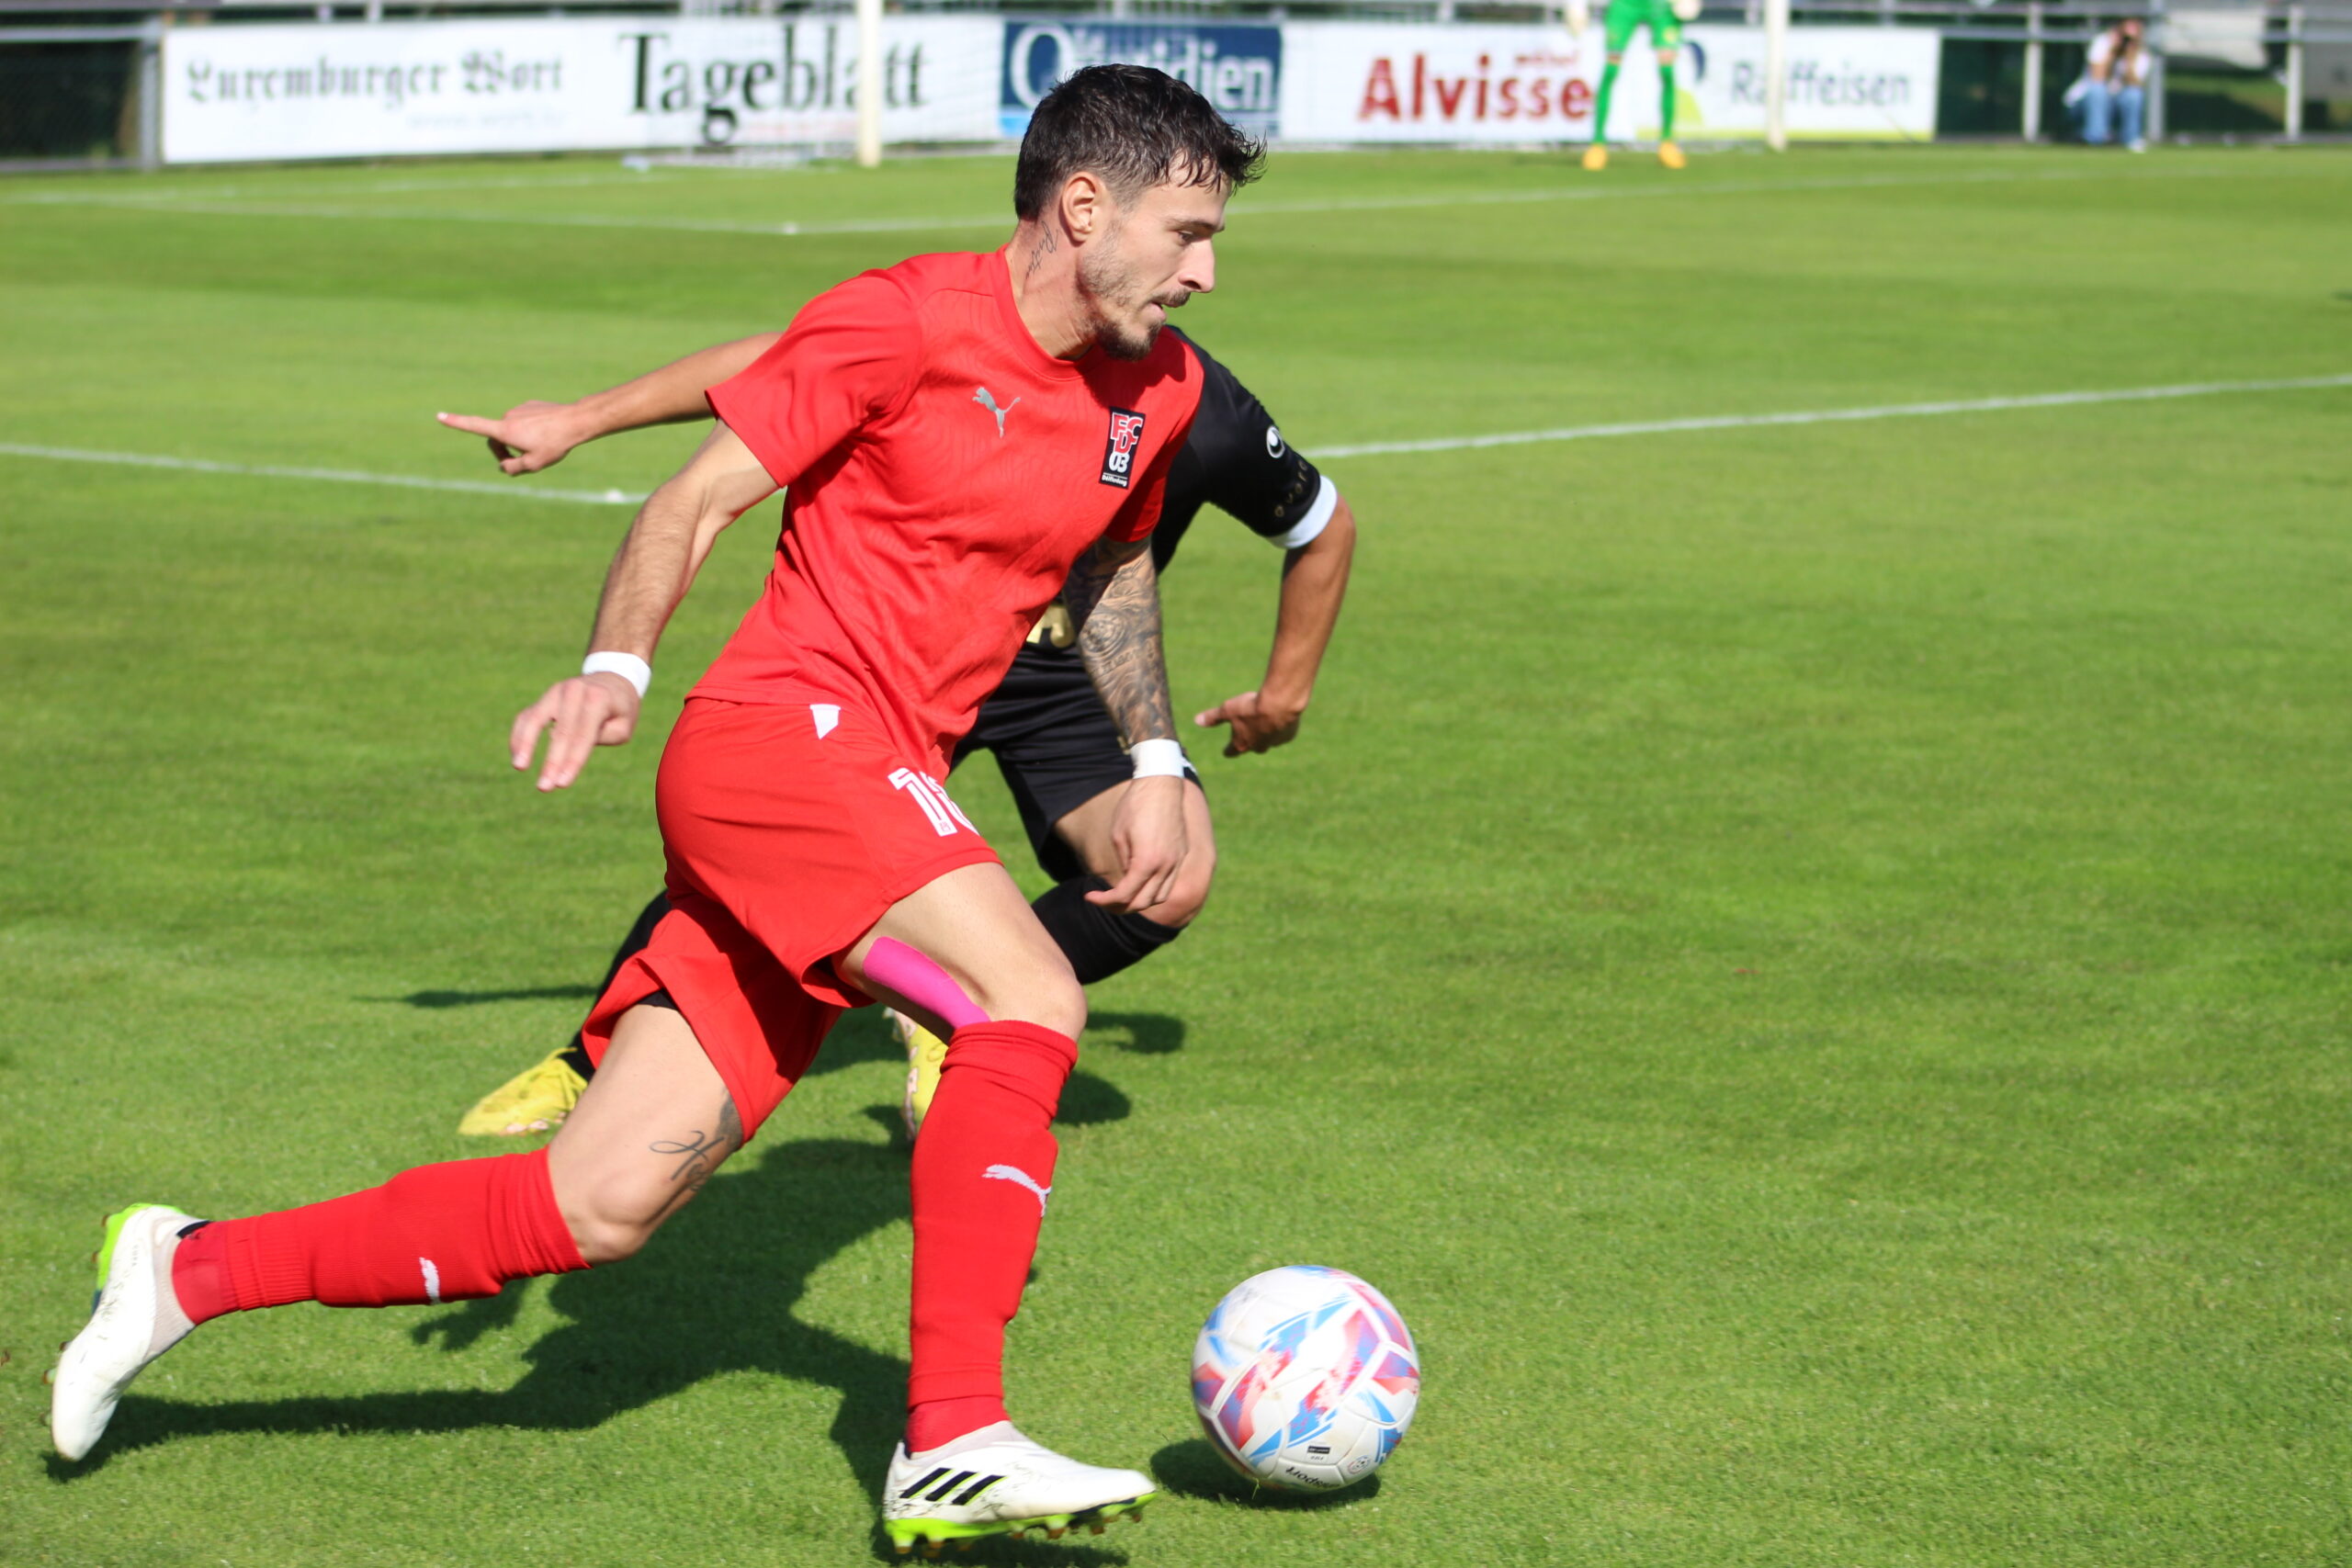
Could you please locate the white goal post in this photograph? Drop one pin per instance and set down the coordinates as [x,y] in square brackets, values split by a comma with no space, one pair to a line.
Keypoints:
[869,83]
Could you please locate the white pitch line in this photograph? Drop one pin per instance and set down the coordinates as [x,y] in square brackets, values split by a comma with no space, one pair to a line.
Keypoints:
[239,207]
[1832,416]
[347,189]
[1590,192]
[1367,449]
[219,208]
[332,476]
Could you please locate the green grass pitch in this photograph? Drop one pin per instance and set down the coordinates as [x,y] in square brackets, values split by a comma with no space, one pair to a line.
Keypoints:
[1814,963]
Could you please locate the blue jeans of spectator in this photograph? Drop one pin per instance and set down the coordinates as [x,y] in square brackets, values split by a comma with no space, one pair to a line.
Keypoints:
[2103,105]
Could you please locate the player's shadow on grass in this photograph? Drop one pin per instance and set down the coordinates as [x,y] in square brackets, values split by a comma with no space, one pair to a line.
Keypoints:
[1192,1469]
[479,998]
[1152,1033]
[713,1294]
[1149,1033]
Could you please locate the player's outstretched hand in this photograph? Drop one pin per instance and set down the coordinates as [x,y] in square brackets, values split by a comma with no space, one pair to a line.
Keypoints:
[587,711]
[1258,725]
[528,437]
[1147,831]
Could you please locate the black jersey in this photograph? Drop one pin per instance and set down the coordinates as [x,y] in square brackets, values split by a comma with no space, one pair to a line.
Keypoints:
[1237,459]
[1047,728]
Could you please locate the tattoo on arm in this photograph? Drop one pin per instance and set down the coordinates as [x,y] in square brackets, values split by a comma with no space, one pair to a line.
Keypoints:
[1113,595]
[700,1155]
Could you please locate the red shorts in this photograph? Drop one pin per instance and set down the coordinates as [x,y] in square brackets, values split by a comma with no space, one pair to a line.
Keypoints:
[790,830]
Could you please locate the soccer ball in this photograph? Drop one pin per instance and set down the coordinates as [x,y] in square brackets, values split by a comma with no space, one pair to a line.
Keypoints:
[1305,1378]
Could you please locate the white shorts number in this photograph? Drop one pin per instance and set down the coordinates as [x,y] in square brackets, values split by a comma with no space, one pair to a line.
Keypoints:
[932,795]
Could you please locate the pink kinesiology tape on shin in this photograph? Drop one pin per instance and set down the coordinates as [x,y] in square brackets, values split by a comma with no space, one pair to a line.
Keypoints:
[919,980]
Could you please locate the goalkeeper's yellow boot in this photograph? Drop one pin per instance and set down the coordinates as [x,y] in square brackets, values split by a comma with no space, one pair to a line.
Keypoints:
[926,1053]
[1671,155]
[1596,157]
[533,1100]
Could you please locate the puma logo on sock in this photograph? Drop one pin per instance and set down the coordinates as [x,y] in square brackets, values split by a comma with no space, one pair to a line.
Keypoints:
[1016,1175]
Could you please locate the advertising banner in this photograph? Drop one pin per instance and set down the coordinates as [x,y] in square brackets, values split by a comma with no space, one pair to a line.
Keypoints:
[324,90]
[310,90]
[1236,66]
[1472,83]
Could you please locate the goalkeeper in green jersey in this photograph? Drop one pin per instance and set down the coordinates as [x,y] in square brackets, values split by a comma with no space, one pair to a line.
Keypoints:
[1622,19]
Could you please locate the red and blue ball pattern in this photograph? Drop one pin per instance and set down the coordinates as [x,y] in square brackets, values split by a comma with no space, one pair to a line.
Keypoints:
[1305,1378]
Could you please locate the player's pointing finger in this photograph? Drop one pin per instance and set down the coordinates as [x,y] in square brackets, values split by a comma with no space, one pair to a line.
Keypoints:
[578,718]
[523,738]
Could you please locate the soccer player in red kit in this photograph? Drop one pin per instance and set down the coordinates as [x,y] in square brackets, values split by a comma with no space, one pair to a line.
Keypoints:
[964,438]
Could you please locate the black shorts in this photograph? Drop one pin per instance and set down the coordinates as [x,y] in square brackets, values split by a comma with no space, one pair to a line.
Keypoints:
[1055,744]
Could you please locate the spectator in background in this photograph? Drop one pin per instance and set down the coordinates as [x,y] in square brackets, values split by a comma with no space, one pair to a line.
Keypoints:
[2113,85]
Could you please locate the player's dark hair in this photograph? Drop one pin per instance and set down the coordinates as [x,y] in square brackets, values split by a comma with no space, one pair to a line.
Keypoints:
[1134,126]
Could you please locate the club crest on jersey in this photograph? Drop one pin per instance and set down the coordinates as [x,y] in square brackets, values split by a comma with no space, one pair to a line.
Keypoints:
[1119,451]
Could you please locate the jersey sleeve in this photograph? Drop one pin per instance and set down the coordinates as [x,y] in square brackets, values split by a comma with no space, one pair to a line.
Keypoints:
[848,357]
[1249,470]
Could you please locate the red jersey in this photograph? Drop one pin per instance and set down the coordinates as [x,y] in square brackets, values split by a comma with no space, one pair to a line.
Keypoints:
[942,473]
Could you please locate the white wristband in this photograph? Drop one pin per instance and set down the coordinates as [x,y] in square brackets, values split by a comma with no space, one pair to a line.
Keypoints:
[628,667]
[1158,758]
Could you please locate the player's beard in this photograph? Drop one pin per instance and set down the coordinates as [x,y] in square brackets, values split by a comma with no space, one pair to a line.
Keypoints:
[1113,300]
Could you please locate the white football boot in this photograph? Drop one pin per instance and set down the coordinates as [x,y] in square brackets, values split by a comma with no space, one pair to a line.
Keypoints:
[134,1317]
[996,1482]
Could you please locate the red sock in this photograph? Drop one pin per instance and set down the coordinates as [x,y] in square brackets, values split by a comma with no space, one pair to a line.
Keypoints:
[938,1421]
[439,1233]
[982,1169]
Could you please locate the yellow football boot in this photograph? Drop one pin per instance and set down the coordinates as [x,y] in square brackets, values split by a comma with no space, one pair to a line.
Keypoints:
[926,1053]
[1596,157]
[533,1100]
[1671,155]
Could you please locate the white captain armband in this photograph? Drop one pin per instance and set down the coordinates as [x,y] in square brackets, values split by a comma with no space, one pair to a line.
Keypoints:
[1317,516]
[1158,758]
[627,666]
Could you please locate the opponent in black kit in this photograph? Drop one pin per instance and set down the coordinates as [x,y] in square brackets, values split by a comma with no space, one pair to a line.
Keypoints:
[1051,737]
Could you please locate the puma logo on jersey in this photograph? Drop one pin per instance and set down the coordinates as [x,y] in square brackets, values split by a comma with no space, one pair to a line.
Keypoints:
[1019,1178]
[987,400]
